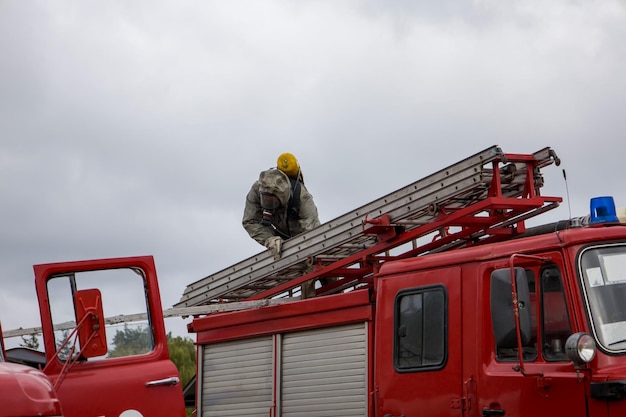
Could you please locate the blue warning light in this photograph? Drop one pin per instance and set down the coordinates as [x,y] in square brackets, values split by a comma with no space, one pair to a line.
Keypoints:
[602,210]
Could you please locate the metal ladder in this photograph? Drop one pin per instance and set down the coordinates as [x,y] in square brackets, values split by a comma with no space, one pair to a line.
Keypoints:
[483,198]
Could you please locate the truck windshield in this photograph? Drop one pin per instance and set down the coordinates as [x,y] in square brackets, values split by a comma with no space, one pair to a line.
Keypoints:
[603,272]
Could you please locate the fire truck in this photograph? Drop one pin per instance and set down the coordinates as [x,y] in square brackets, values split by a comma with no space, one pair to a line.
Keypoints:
[435,299]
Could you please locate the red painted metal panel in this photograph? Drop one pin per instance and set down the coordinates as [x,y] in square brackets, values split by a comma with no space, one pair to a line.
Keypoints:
[25,391]
[285,318]
[411,392]
[272,313]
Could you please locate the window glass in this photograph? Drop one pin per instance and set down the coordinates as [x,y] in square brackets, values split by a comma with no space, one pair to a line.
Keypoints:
[420,330]
[556,324]
[509,352]
[549,316]
[603,273]
[123,297]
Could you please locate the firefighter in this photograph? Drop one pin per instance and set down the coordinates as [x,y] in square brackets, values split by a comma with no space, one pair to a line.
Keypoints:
[278,207]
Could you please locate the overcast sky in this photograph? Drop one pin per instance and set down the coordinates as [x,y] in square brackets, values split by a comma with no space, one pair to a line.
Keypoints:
[137,127]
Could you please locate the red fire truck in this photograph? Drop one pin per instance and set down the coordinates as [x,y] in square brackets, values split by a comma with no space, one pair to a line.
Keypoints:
[433,300]
[442,303]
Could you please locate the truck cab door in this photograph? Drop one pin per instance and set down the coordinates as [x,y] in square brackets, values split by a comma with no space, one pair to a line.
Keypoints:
[544,381]
[113,368]
[418,344]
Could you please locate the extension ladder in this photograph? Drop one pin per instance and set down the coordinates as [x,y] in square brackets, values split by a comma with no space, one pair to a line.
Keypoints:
[484,198]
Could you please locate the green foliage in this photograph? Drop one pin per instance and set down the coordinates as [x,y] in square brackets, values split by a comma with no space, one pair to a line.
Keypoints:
[183,354]
[64,352]
[31,342]
[131,341]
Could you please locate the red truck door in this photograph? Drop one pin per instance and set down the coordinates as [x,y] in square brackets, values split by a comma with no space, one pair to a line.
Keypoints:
[123,371]
[418,344]
[546,383]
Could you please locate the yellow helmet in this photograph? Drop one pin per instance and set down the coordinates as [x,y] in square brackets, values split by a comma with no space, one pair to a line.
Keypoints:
[288,164]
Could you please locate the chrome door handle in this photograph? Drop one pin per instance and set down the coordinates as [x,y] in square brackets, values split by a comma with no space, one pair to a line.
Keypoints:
[173,380]
[492,412]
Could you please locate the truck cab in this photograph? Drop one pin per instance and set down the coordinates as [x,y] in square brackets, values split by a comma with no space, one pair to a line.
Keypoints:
[559,348]
[24,391]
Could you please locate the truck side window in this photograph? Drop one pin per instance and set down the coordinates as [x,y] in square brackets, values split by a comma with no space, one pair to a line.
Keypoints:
[420,335]
[509,352]
[123,295]
[556,325]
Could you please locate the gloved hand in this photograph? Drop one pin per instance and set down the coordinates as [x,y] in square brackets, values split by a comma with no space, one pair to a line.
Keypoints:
[275,245]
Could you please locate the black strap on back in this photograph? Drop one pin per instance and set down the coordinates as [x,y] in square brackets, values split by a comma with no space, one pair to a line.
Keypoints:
[293,208]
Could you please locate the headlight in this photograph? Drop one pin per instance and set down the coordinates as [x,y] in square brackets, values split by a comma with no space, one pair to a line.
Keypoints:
[580,348]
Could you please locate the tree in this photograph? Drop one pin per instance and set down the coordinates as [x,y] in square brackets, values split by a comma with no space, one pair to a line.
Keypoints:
[183,354]
[131,341]
[64,352]
[31,342]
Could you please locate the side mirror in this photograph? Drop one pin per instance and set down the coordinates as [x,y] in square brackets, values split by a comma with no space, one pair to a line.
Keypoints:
[502,312]
[90,319]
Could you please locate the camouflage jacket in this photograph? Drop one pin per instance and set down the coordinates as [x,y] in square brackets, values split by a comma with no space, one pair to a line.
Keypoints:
[306,219]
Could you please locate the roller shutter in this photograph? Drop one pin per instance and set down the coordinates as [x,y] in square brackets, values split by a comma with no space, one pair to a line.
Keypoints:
[324,372]
[237,378]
